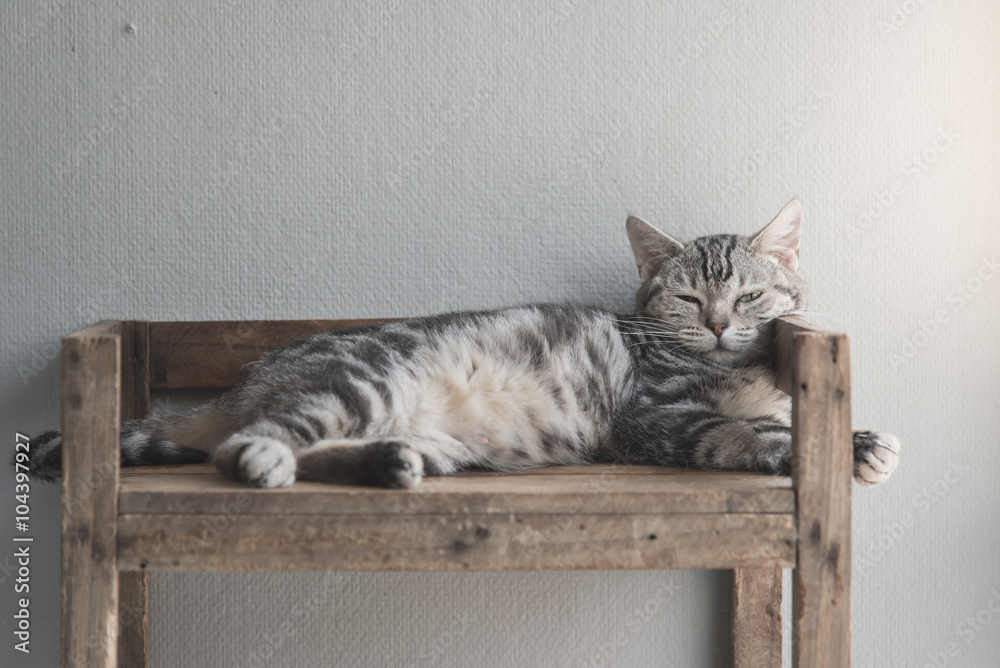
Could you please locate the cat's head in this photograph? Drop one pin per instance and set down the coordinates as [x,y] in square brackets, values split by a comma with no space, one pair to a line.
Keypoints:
[713,296]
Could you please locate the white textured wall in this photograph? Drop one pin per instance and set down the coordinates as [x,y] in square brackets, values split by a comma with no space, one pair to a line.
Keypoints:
[266,159]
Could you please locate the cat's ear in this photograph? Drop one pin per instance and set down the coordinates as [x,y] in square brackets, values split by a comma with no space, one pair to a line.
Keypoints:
[650,246]
[780,239]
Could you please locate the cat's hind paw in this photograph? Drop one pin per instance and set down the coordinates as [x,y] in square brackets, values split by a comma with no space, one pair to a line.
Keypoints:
[258,461]
[876,455]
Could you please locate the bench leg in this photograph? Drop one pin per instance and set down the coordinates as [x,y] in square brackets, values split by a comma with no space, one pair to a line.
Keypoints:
[822,471]
[91,378]
[757,618]
[133,586]
[133,619]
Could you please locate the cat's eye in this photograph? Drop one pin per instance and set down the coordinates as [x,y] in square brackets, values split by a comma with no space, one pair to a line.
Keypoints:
[749,297]
[689,299]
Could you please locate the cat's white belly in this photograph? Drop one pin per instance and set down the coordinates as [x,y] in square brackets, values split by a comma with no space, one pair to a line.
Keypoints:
[500,414]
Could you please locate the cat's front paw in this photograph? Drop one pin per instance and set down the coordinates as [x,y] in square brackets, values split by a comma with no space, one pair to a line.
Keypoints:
[399,465]
[778,462]
[403,466]
[876,455]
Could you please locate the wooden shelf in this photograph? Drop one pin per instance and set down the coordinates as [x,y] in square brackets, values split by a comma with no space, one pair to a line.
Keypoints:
[585,517]
[120,524]
[596,489]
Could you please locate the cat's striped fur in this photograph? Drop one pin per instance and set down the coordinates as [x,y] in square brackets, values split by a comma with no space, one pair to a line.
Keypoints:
[685,381]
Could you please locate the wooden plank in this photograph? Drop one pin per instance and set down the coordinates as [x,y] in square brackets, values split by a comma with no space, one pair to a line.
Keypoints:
[604,490]
[102,328]
[133,586]
[785,331]
[214,354]
[133,619]
[756,618]
[90,418]
[135,399]
[453,543]
[822,466]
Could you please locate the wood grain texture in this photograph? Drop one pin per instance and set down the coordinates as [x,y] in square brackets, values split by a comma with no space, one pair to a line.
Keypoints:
[188,355]
[102,328]
[133,619]
[822,471]
[90,417]
[214,354]
[785,331]
[453,542]
[587,517]
[756,618]
[135,398]
[133,586]
[593,489]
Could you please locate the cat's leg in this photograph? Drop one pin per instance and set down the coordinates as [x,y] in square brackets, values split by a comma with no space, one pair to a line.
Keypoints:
[262,454]
[692,436]
[876,455]
[697,438]
[392,461]
[726,443]
[381,462]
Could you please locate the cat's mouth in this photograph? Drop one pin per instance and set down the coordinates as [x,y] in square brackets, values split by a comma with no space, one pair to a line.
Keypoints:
[725,351]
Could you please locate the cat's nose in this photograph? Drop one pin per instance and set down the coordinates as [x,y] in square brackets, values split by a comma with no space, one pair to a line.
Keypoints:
[717,327]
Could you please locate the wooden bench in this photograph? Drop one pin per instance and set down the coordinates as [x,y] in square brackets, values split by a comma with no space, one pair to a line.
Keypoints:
[120,524]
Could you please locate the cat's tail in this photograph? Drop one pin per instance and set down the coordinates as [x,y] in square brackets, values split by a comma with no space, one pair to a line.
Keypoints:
[188,437]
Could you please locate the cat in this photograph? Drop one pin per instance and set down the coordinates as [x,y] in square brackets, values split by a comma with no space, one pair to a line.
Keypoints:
[684,381]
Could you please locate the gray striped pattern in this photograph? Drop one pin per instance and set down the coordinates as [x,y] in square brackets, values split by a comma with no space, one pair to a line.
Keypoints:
[684,381]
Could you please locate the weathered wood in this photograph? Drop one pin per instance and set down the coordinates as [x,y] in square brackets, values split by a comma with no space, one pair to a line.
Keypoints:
[822,465]
[448,543]
[135,398]
[594,489]
[102,328]
[133,619]
[756,618]
[133,586]
[214,354]
[602,516]
[785,331]
[90,416]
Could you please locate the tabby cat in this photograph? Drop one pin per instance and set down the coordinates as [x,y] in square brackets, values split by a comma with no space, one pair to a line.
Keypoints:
[684,381]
